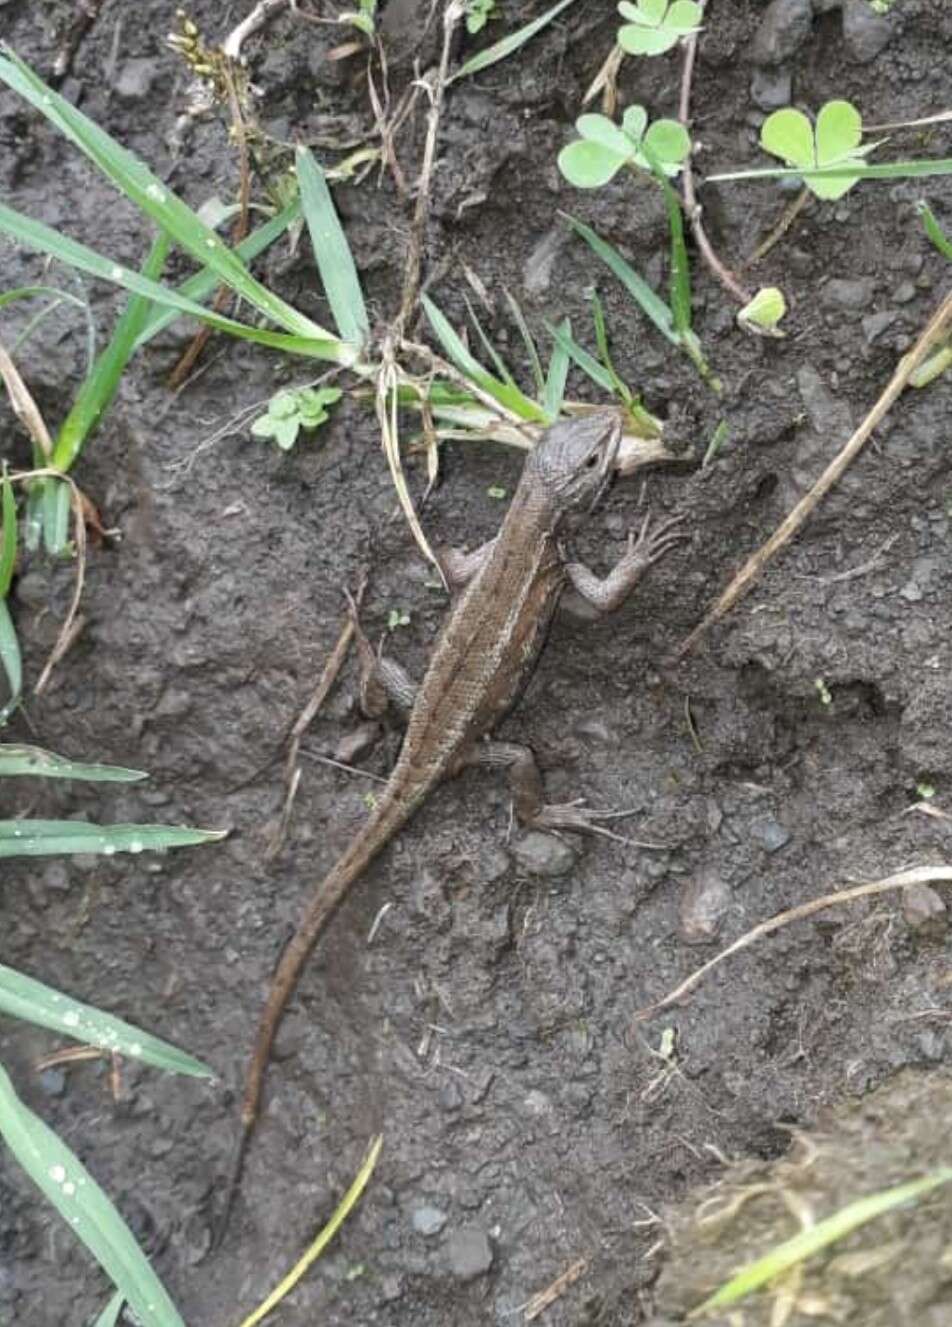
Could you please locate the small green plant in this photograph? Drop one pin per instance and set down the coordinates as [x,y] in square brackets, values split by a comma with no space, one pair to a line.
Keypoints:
[762,314]
[835,141]
[823,692]
[478,13]
[291,411]
[654,26]
[363,18]
[496,491]
[603,148]
[397,617]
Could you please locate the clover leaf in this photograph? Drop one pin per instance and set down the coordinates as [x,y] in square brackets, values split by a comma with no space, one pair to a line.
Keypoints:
[655,26]
[788,134]
[289,412]
[604,147]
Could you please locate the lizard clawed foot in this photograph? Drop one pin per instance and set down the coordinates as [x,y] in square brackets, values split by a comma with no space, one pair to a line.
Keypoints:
[652,542]
[577,818]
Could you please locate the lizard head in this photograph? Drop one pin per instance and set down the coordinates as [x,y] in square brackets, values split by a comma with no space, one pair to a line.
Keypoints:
[573,459]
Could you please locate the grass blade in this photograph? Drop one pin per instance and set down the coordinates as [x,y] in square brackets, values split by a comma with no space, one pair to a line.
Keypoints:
[508,45]
[66,1183]
[33,292]
[100,386]
[812,1240]
[535,363]
[553,393]
[152,197]
[38,838]
[589,365]
[335,262]
[651,305]
[934,231]
[507,394]
[601,340]
[880,170]
[22,997]
[36,235]
[110,1314]
[200,286]
[491,351]
[341,1212]
[54,516]
[8,535]
[22,760]
[11,661]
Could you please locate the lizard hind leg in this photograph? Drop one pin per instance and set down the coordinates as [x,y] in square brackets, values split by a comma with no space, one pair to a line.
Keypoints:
[528,795]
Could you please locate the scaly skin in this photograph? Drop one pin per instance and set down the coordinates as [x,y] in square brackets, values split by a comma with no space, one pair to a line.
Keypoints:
[478,667]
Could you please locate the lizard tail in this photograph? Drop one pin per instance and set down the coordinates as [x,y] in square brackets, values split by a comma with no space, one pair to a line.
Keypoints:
[387,818]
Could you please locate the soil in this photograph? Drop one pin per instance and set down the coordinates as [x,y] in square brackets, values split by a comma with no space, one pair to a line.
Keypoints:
[487,1028]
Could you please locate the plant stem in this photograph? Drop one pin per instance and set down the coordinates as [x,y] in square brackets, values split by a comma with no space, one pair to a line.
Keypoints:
[692,207]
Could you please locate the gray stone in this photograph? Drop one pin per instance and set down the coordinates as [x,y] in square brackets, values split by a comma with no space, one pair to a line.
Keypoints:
[134,80]
[848,293]
[865,33]
[542,854]
[703,905]
[53,1082]
[770,834]
[783,29]
[470,1253]
[33,589]
[874,324]
[924,910]
[904,292]
[428,1220]
[771,88]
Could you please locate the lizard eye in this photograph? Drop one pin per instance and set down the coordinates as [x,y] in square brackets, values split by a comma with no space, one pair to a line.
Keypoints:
[592,461]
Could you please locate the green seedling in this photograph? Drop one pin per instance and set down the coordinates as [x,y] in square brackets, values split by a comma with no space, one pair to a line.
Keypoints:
[508,45]
[941,358]
[835,141]
[478,13]
[604,148]
[823,692]
[290,412]
[397,617]
[926,791]
[654,26]
[364,18]
[763,313]
[496,491]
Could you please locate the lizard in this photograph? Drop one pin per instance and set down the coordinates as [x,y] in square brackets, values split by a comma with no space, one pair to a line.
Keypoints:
[508,592]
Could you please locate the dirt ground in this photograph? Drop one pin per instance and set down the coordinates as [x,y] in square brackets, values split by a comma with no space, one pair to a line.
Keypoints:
[487,1029]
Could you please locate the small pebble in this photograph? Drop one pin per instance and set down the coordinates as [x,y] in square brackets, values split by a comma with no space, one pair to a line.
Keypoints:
[542,854]
[470,1253]
[784,27]
[770,834]
[865,33]
[703,905]
[428,1220]
[924,910]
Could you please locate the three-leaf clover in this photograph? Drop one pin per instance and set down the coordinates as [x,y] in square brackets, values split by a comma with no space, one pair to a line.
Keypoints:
[788,134]
[655,26]
[604,148]
[289,412]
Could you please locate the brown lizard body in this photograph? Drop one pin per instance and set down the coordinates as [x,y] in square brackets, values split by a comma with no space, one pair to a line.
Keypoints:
[478,667]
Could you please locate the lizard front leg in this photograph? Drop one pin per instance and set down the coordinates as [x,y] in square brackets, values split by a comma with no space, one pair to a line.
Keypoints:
[605,594]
